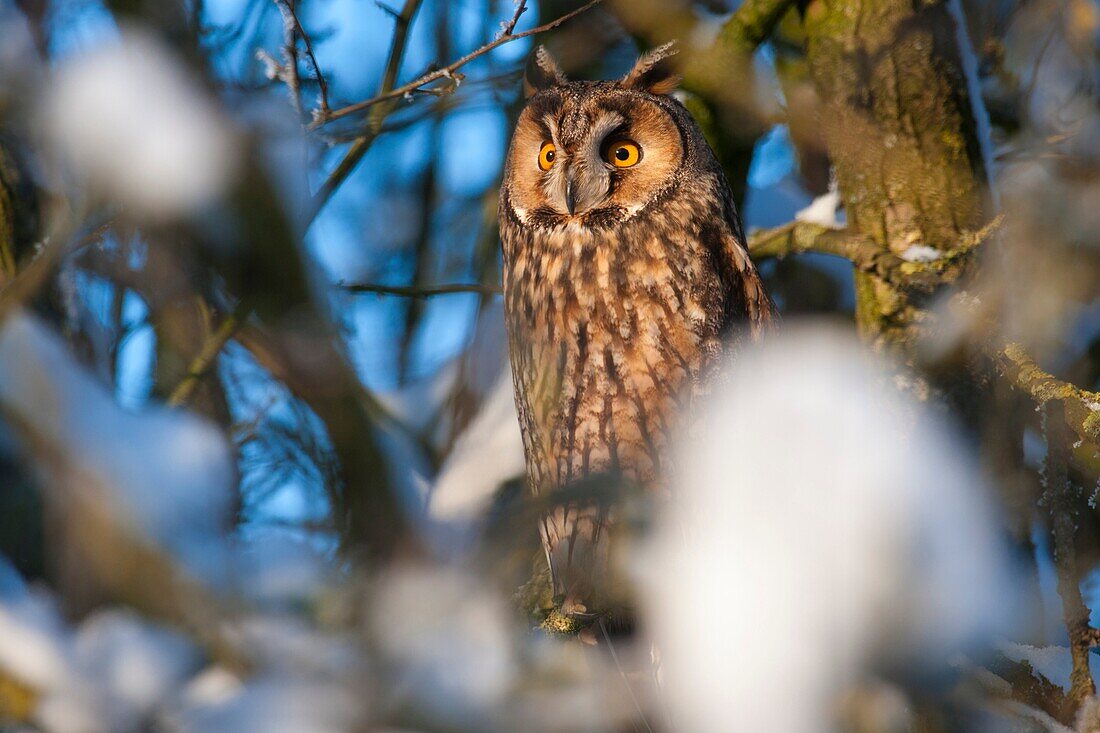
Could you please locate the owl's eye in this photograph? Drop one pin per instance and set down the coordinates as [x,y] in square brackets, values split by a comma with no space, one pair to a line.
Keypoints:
[547,155]
[623,154]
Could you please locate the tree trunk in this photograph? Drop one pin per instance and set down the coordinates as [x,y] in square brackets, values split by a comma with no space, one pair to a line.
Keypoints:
[899,127]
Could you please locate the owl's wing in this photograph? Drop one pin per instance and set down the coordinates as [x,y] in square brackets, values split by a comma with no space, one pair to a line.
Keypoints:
[747,287]
[749,301]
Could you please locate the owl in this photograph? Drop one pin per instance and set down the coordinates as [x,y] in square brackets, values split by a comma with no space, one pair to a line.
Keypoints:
[625,278]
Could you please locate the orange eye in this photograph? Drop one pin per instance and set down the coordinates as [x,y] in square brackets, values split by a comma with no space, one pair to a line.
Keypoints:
[623,154]
[547,155]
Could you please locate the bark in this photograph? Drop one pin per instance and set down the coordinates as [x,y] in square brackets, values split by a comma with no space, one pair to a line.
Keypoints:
[898,124]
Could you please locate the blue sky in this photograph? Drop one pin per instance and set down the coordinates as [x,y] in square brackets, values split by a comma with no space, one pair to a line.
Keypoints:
[365,232]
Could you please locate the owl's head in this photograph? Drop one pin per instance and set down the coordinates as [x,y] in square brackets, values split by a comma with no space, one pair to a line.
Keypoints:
[595,153]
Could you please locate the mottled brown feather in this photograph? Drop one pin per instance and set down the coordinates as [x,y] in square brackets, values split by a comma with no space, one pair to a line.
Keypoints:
[616,314]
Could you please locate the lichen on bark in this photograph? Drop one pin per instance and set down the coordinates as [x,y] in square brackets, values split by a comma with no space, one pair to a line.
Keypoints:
[899,128]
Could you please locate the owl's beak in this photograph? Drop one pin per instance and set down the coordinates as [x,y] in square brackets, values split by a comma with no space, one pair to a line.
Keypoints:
[579,188]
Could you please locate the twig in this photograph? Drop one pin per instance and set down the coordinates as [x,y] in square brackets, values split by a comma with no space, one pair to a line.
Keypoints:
[361,144]
[507,36]
[322,84]
[267,351]
[422,291]
[1063,500]
[400,38]
[623,675]
[34,274]
[202,363]
[290,54]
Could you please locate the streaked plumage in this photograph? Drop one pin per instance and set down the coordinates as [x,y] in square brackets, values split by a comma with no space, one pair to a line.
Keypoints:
[617,310]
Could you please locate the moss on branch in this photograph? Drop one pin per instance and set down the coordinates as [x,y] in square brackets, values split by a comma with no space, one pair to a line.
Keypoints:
[1082,408]
[866,255]
[752,24]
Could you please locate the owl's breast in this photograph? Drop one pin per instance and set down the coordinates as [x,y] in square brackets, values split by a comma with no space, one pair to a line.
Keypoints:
[610,333]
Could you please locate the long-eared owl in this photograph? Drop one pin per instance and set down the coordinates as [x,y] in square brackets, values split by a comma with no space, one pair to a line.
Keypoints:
[625,276]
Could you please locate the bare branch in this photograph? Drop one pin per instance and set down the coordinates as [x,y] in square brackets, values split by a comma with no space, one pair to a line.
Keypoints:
[33,275]
[322,84]
[203,362]
[425,291]
[1063,500]
[361,144]
[449,70]
[290,53]
[510,26]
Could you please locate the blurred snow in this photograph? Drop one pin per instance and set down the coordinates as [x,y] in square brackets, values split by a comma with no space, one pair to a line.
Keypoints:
[129,117]
[272,704]
[1053,662]
[133,664]
[447,635]
[289,644]
[489,449]
[822,210]
[275,568]
[33,641]
[17,52]
[166,471]
[486,454]
[822,525]
[921,253]
[213,686]
[106,676]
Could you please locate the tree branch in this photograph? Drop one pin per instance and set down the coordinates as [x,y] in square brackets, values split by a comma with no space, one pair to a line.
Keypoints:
[1063,498]
[424,291]
[752,23]
[293,26]
[207,356]
[362,143]
[448,71]
[290,54]
[864,253]
[1081,407]
[388,93]
[33,275]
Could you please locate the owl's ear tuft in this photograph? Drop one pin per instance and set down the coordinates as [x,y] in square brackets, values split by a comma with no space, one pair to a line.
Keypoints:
[653,71]
[542,72]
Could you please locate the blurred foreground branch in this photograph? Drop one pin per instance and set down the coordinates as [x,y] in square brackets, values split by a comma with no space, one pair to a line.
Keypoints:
[421,291]
[15,291]
[116,544]
[205,360]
